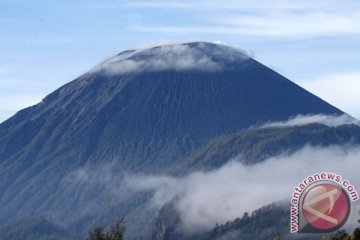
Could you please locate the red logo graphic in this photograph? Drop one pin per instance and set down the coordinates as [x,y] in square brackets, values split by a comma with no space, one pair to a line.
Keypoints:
[325,206]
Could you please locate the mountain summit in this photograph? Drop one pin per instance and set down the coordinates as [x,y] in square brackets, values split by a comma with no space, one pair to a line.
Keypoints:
[140,111]
[198,56]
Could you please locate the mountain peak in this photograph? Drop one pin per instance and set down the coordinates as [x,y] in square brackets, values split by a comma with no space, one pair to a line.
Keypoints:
[201,56]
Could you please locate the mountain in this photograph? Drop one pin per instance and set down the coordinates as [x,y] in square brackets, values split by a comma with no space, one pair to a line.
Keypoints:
[151,111]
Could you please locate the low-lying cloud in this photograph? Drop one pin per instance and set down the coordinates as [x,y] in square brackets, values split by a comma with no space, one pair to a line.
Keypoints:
[207,198]
[204,199]
[328,120]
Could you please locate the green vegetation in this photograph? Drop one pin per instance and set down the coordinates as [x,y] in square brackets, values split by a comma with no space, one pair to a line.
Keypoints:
[116,232]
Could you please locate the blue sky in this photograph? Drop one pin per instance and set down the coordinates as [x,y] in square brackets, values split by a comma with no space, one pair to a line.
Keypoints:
[45,44]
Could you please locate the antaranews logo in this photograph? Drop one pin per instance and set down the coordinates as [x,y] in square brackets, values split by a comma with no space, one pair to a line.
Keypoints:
[321,203]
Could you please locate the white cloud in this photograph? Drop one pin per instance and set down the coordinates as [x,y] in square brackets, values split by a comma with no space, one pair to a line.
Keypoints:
[175,57]
[292,24]
[213,4]
[276,18]
[328,120]
[207,198]
[156,44]
[158,4]
[340,90]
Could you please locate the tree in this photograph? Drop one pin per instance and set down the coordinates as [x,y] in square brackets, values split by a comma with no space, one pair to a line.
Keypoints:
[357,234]
[96,234]
[116,232]
[342,235]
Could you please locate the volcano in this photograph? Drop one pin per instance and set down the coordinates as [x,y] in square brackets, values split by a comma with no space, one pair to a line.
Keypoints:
[140,111]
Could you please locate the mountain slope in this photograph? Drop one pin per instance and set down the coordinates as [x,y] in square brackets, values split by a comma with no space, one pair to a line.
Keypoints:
[32,228]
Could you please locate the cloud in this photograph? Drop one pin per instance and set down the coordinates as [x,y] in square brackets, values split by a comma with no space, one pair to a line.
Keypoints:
[157,43]
[340,89]
[175,57]
[207,5]
[158,4]
[207,198]
[328,120]
[292,24]
[276,18]
[212,4]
